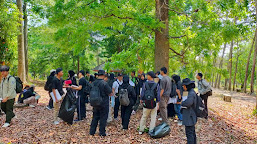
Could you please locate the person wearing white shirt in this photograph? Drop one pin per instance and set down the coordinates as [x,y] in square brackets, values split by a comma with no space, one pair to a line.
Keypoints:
[115,89]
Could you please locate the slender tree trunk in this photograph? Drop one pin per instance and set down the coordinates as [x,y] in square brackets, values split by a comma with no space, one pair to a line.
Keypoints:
[235,73]
[247,64]
[213,73]
[21,55]
[78,65]
[255,37]
[221,63]
[253,67]
[26,38]
[161,36]
[230,64]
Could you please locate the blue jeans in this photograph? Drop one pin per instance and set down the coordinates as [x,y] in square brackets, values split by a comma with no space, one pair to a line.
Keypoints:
[177,108]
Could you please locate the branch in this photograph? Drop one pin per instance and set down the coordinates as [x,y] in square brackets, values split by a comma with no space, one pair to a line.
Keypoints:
[91,2]
[175,52]
[176,37]
[113,15]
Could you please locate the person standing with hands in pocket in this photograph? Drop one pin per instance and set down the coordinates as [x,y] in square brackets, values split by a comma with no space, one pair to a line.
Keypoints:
[7,94]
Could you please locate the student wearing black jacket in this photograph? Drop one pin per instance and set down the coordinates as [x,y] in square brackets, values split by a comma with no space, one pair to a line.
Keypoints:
[126,110]
[49,83]
[188,112]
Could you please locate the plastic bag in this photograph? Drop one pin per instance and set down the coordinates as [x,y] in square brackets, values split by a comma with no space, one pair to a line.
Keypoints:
[160,131]
[68,106]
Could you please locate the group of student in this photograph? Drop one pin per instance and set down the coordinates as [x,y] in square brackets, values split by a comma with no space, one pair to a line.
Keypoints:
[155,92]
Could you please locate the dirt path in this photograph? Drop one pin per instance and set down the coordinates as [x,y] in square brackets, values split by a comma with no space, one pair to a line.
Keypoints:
[228,123]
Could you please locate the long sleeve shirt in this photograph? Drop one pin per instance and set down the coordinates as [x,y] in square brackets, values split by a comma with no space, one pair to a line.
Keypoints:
[203,86]
[7,87]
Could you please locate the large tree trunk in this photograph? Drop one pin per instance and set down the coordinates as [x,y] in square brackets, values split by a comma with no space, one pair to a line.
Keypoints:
[26,38]
[21,56]
[253,67]
[230,65]
[247,64]
[161,36]
[221,63]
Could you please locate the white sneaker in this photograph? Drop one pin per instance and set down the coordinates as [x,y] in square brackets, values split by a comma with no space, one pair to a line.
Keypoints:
[56,122]
[6,125]
[140,133]
[159,119]
[133,112]
[32,106]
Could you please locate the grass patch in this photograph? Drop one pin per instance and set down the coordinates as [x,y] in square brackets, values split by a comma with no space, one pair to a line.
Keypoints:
[255,112]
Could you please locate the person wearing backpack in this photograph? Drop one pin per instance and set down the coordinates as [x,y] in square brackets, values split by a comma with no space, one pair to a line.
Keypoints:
[82,94]
[150,96]
[141,81]
[188,110]
[7,94]
[47,87]
[204,88]
[115,89]
[128,92]
[99,99]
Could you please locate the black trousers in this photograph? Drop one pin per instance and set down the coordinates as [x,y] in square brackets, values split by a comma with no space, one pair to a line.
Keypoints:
[7,107]
[50,103]
[125,115]
[100,115]
[205,102]
[171,110]
[190,133]
[81,107]
[116,107]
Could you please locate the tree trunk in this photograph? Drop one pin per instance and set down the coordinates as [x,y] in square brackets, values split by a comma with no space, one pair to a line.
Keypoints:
[255,37]
[161,53]
[221,63]
[230,65]
[26,38]
[253,67]
[247,65]
[235,73]
[78,65]
[21,56]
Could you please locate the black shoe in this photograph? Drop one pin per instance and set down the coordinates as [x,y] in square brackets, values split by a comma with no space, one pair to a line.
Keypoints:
[102,135]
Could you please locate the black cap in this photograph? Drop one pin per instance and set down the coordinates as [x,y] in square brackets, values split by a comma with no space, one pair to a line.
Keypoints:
[82,72]
[119,74]
[4,68]
[58,70]
[151,74]
[101,72]
[187,81]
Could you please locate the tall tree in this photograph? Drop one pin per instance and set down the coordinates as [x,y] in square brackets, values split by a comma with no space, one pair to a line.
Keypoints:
[25,17]
[253,66]
[21,55]
[247,64]
[161,35]
[230,64]
[237,57]
[221,63]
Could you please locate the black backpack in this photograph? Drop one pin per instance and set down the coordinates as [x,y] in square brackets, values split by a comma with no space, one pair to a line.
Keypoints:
[96,99]
[48,84]
[87,89]
[173,92]
[200,108]
[19,84]
[149,98]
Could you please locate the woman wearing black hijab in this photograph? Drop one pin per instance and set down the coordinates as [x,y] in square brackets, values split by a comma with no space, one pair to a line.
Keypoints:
[126,110]
[72,77]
